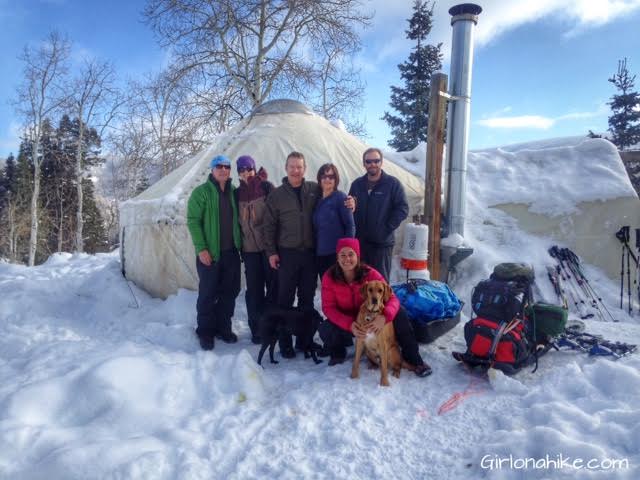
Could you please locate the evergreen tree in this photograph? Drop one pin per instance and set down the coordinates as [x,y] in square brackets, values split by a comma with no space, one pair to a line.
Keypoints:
[7,174]
[624,122]
[16,216]
[59,190]
[94,233]
[409,126]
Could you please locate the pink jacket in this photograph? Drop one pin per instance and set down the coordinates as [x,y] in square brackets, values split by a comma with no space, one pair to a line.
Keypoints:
[341,302]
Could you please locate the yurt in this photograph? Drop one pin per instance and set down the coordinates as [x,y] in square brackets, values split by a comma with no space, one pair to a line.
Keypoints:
[156,249]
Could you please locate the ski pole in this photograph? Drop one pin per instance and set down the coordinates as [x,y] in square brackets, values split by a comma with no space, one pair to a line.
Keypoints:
[628,279]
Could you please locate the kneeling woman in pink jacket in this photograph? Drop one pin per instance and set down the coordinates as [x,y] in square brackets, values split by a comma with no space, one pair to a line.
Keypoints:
[341,301]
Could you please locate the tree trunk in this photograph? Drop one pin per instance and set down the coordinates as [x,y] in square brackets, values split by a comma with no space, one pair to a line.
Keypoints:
[79,239]
[11,210]
[33,236]
[61,222]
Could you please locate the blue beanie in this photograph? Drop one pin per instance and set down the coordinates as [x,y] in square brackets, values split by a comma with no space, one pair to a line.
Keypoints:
[219,160]
[245,161]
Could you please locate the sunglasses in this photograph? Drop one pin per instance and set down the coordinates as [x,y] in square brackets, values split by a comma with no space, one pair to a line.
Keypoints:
[373,160]
[220,167]
[328,177]
[244,169]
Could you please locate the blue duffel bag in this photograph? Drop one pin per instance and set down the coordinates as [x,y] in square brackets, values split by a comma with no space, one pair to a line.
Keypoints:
[427,300]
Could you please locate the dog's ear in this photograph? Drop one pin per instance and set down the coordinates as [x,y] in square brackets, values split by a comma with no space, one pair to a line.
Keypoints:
[387,293]
[363,290]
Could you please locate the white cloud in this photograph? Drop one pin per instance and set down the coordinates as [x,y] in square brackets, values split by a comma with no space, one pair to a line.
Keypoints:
[524,121]
[386,37]
[537,121]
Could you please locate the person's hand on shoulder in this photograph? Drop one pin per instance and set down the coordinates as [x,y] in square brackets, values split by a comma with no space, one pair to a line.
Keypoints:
[350,203]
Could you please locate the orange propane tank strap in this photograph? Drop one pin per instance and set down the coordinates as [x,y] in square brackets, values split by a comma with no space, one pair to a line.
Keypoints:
[410,264]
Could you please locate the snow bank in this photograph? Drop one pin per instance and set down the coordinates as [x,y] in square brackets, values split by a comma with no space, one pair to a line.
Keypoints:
[97,384]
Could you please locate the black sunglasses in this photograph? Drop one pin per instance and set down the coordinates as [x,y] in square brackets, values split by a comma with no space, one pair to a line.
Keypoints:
[328,177]
[372,160]
[244,169]
[226,167]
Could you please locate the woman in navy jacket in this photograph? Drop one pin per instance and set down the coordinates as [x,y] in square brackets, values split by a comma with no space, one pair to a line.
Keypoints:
[331,218]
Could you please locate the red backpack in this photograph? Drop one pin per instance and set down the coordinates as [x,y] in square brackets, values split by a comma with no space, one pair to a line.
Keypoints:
[500,335]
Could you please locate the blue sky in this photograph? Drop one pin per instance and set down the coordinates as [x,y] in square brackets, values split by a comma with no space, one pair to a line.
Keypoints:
[540,68]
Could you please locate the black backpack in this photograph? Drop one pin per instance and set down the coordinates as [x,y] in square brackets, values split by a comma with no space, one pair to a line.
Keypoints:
[499,300]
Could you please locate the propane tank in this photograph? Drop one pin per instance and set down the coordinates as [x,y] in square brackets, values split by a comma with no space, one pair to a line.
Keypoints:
[415,247]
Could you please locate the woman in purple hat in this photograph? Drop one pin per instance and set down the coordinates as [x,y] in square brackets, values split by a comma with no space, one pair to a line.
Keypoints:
[251,196]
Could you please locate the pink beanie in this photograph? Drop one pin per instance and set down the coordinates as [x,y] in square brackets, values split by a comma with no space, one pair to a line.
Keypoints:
[352,243]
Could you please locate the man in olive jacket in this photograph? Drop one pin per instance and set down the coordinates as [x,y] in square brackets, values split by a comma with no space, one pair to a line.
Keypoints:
[212,218]
[289,240]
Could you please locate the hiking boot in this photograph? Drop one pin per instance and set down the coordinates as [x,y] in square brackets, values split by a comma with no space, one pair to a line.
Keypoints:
[314,346]
[423,370]
[338,356]
[324,352]
[206,342]
[228,337]
[287,352]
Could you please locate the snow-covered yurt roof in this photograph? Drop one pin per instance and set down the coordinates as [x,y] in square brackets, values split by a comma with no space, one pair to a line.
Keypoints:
[157,251]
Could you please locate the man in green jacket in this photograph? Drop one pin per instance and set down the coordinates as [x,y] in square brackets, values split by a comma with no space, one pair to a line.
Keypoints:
[212,218]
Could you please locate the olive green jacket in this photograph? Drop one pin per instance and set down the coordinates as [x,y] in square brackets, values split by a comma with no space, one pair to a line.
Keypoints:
[287,223]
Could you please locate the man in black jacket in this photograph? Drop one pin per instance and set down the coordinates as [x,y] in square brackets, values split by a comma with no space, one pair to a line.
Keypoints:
[289,240]
[381,208]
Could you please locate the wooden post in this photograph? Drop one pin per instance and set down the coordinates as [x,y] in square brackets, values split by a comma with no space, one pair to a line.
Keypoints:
[433,177]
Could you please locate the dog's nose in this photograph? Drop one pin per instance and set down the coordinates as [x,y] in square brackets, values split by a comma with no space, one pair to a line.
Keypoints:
[374,300]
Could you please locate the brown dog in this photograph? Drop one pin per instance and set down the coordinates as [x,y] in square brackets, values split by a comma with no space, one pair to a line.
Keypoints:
[382,348]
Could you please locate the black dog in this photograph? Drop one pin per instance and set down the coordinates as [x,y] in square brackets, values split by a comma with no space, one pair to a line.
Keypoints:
[277,321]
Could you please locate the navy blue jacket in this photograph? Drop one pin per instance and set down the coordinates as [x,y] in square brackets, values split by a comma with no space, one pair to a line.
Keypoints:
[331,221]
[379,213]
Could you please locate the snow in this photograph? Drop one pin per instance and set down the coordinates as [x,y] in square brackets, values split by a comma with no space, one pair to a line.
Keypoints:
[519,173]
[100,380]
[93,387]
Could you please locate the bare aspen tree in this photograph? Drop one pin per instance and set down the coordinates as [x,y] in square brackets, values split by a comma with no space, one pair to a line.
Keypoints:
[340,90]
[259,46]
[38,97]
[91,100]
[168,108]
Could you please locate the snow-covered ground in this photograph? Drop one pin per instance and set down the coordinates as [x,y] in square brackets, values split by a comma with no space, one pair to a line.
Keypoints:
[92,386]
[100,381]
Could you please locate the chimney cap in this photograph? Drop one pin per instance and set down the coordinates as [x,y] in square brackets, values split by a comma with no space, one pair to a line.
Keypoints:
[465,8]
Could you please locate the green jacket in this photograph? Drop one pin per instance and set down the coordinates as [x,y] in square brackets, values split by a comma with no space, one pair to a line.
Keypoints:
[203,218]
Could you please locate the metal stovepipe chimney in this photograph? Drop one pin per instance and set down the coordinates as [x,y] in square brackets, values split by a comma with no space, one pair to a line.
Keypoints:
[464,19]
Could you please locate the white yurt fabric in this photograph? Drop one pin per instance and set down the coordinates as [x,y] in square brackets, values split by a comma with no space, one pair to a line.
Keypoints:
[156,249]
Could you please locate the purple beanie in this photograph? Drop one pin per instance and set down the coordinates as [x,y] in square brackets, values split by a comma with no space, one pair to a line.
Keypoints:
[245,161]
